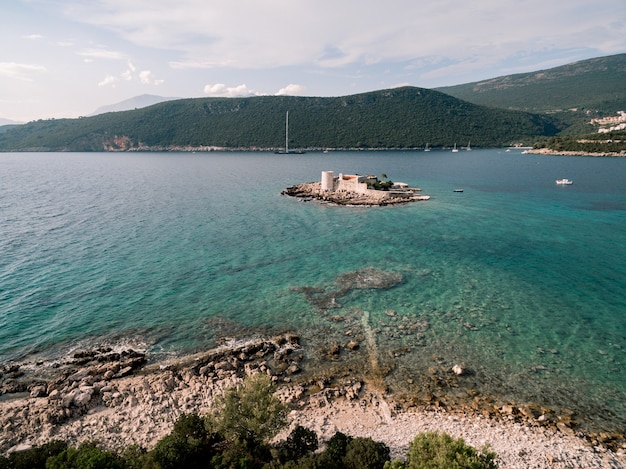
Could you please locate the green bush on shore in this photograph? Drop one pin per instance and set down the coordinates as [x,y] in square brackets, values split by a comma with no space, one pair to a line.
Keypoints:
[249,412]
[433,450]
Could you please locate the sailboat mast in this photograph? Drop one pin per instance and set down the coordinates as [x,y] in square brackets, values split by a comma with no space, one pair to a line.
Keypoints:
[287,133]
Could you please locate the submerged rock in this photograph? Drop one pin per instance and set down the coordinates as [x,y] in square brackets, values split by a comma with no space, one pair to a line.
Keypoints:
[353,345]
[458,370]
[370,277]
[362,279]
[319,297]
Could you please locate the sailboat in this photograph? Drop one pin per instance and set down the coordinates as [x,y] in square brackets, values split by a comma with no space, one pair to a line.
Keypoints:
[287,151]
[455,149]
[427,148]
[468,148]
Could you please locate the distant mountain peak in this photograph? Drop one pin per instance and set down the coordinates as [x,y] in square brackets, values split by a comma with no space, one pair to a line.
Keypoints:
[137,102]
[9,122]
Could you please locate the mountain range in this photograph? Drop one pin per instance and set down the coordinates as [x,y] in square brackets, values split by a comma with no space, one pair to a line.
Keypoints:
[397,118]
[9,122]
[597,84]
[137,102]
[515,109]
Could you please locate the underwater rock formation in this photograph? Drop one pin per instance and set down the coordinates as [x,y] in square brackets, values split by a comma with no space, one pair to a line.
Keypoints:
[362,279]
[369,277]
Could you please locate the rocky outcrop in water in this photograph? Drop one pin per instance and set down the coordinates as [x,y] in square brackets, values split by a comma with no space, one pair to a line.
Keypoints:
[313,191]
[40,380]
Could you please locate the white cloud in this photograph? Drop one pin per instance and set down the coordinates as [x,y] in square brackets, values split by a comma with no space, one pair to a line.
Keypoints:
[109,80]
[314,32]
[291,90]
[17,71]
[103,54]
[33,37]
[200,64]
[146,77]
[222,91]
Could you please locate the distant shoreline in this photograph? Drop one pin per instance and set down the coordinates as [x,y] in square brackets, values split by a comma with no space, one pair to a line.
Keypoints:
[547,151]
[211,149]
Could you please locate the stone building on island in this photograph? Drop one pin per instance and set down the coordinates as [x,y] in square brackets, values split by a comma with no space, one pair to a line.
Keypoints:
[353,189]
[345,182]
[361,184]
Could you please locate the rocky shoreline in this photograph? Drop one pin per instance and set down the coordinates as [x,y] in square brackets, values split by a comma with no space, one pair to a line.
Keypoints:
[547,151]
[120,398]
[313,191]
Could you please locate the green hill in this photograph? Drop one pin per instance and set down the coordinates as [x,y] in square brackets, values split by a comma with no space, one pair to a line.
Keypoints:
[572,92]
[597,144]
[398,118]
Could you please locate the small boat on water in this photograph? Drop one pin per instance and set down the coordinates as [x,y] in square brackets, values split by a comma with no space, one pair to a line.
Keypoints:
[455,149]
[458,190]
[564,182]
[427,148]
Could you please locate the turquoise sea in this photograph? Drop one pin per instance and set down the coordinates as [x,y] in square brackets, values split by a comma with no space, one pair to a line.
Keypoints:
[518,279]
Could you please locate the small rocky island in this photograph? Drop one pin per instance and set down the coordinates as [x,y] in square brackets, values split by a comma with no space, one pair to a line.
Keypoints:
[353,189]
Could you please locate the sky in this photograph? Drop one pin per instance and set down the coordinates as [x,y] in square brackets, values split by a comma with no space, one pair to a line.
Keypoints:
[67,58]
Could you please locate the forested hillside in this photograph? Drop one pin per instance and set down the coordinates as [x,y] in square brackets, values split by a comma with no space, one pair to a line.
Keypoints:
[597,84]
[598,144]
[398,118]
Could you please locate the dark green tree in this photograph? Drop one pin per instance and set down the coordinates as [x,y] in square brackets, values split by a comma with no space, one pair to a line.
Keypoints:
[87,456]
[332,456]
[135,457]
[35,457]
[189,445]
[298,444]
[365,453]
[307,462]
[242,454]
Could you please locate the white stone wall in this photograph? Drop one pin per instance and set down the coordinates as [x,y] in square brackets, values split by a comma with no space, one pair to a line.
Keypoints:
[351,183]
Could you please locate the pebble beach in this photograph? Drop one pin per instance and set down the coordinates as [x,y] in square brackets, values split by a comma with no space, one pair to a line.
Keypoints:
[119,399]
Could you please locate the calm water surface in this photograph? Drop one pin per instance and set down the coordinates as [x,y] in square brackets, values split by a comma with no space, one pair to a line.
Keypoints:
[520,280]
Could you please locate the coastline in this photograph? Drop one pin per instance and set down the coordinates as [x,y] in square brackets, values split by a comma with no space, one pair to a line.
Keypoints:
[121,399]
[547,151]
